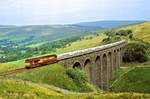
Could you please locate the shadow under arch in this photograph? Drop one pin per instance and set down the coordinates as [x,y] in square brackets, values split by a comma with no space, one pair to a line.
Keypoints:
[88,68]
[110,66]
[115,61]
[105,71]
[77,65]
[98,71]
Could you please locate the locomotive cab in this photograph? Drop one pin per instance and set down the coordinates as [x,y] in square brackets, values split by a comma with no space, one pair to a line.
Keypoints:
[40,61]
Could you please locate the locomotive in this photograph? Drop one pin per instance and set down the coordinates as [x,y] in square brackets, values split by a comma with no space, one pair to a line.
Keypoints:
[40,61]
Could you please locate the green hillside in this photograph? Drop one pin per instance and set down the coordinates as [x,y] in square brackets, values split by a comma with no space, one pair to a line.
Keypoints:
[18,42]
[12,89]
[27,35]
[137,80]
[141,30]
[54,75]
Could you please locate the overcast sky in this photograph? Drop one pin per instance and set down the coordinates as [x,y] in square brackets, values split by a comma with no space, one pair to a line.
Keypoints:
[26,12]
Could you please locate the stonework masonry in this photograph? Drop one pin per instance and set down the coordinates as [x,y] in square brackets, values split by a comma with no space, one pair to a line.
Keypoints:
[100,62]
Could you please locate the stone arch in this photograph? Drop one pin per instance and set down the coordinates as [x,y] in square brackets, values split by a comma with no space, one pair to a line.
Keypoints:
[77,65]
[121,56]
[105,71]
[109,65]
[98,71]
[118,58]
[115,60]
[88,68]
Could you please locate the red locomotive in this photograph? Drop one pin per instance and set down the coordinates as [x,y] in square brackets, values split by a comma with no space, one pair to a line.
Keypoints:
[40,61]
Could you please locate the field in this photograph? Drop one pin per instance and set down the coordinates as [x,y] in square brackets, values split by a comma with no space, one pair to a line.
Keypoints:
[82,44]
[141,30]
[132,77]
[28,35]
[53,75]
[136,81]
[28,90]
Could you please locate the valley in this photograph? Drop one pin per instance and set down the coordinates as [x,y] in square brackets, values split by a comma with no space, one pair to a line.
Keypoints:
[55,75]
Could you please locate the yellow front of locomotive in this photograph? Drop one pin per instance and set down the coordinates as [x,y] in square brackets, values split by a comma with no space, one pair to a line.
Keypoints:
[28,64]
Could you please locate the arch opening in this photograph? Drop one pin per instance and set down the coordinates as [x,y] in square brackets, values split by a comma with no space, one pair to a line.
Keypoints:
[98,71]
[77,65]
[88,68]
[115,61]
[110,69]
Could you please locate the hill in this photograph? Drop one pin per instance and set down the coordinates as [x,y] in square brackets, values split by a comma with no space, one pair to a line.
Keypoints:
[108,24]
[13,89]
[59,79]
[18,42]
[136,80]
[54,75]
[12,35]
[141,30]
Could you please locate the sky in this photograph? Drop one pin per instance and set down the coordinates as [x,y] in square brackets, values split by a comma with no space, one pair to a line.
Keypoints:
[39,12]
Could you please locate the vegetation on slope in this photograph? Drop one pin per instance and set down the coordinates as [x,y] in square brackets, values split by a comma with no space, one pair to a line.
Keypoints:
[56,75]
[141,31]
[12,89]
[17,42]
[78,45]
[137,80]
[34,75]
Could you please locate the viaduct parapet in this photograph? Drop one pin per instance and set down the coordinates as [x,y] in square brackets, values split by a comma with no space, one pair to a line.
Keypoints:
[100,62]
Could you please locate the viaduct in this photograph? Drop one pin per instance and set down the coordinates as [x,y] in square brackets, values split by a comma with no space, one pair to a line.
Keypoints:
[100,62]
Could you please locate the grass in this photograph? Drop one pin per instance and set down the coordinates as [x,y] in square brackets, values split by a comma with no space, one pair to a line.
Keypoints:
[53,75]
[141,30]
[11,65]
[12,89]
[132,77]
[82,44]
[137,80]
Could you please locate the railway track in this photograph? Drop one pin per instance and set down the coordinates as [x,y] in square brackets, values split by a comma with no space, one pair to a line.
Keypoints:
[19,70]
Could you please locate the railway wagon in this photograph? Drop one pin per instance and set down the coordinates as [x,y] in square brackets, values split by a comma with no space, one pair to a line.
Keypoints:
[40,61]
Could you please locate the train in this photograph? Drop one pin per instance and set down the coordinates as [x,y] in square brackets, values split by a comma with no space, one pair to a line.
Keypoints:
[40,61]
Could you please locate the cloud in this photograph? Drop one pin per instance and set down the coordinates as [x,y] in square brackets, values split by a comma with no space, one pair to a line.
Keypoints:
[68,11]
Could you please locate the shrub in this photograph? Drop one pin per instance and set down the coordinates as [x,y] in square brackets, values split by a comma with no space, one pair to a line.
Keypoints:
[79,76]
[124,32]
[110,33]
[135,52]
[111,39]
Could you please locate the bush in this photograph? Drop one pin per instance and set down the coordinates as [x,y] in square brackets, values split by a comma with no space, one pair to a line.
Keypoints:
[79,76]
[110,33]
[135,52]
[111,39]
[124,32]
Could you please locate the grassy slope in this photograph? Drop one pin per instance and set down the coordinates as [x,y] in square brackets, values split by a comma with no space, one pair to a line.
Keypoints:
[57,77]
[39,33]
[74,46]
[141,30]
[95,41]
[11,89]
[53,75]
[137,80]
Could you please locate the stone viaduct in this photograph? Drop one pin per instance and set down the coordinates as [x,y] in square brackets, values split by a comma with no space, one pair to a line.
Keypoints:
[100,62]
